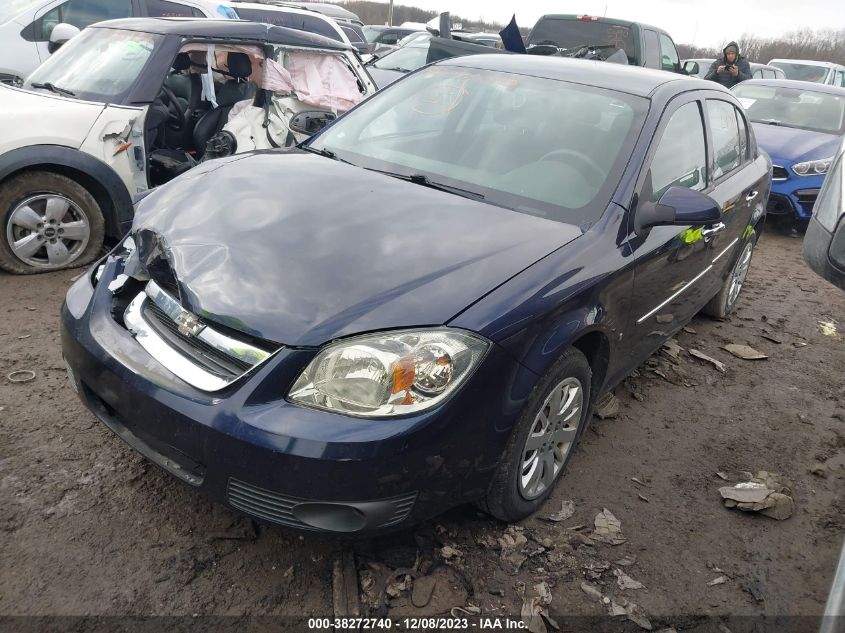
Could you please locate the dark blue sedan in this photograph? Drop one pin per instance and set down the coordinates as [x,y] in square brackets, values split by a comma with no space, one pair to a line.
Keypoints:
[418,308]
[800,125]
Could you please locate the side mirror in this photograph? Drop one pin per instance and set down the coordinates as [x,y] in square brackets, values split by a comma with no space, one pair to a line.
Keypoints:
[678,206]
[310,122]
[60,35]
[691,68]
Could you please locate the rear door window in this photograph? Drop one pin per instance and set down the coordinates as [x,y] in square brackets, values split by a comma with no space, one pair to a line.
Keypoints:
[651,57]
[728,150]
[668,53]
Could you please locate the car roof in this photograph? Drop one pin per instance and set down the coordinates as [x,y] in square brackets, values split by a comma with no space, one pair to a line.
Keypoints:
[806,86]
[614,21]
[230,29]
[808,62]
[619,77]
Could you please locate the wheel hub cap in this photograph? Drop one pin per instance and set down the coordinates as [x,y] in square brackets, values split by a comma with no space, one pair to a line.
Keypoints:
[48,231]
[551,438]
[740,272]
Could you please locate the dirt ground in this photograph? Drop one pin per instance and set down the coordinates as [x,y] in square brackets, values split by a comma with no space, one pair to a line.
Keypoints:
[87,527]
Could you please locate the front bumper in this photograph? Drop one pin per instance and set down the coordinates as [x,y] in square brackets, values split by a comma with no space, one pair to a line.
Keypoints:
[794,197]
[247,447]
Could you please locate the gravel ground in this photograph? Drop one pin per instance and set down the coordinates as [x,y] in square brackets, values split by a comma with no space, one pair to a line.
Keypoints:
[87,527]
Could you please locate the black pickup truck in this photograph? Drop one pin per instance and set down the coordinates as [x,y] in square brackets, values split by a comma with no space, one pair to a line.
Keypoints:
[644,45]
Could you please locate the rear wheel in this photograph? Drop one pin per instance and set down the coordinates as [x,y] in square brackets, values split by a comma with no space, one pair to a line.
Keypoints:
[543,440]
[49,222]
[724,303]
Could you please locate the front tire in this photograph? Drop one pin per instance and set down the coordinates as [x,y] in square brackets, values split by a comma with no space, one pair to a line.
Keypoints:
[543,440]
[724,303]
[47,222]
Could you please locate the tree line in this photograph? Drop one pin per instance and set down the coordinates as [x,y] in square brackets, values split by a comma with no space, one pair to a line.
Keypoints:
[376,13]
[823,46]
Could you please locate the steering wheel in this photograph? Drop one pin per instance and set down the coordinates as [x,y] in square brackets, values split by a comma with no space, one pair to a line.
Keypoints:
[175,112]
[579,160]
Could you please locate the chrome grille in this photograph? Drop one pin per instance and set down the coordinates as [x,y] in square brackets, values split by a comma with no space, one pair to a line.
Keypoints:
[192,349]
[278,508]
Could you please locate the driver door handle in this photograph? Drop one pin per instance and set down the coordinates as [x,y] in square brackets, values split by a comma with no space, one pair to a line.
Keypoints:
[708,233]
[751,195]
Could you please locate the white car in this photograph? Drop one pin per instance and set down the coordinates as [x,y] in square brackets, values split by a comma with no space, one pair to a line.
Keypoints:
[26,25]
[129,104]
[811,70]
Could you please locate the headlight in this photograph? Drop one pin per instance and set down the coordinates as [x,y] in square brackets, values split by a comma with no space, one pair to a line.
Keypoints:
[813,167]
[390,374]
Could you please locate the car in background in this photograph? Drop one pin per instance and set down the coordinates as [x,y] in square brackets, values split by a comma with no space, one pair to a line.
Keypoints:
[764,71]
[26,25]
[419,52]
[293,18]
[127,105]
[800,126]
[334,11]
[813,71]
[356,36]
[493,40]
[644,45]
[478,272]
[387,35]
[824,243]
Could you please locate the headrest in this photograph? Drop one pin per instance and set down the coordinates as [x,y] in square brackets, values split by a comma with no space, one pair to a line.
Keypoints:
[240,65]
[182,62]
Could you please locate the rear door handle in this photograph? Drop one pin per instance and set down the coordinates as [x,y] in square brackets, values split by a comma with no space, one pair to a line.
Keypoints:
[751,195]
[708,233]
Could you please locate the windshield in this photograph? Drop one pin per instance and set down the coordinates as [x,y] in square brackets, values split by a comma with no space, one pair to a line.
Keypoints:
[98,64]
[371,33]
[534,145]
[791,107]
[10,9]
[802,72]
[406,58]
[571,32]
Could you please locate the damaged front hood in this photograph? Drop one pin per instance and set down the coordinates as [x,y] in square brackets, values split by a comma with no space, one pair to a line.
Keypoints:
[301,249]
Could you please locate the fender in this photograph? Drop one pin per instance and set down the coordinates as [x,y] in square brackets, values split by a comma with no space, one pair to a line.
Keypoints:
[100,179]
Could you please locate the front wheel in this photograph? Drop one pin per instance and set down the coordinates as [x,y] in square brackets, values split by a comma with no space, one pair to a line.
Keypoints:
[543,440]
[724,303]
[49,222]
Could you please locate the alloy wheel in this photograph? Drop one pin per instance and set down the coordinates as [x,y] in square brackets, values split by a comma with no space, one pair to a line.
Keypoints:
[48,231]
[740,272]
[551,438]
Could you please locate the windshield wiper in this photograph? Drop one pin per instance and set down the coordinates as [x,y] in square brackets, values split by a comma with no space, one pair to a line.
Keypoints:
[322,151]
[425,181]
[53,88]
[396,69]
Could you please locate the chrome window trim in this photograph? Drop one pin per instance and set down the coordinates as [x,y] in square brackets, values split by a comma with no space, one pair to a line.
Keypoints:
[229,346]
[676,294]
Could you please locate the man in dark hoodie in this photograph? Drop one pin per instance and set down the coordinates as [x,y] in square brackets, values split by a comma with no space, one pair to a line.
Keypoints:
[731,69]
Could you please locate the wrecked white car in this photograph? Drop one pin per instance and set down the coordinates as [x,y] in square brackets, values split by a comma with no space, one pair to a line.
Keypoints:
[130,104]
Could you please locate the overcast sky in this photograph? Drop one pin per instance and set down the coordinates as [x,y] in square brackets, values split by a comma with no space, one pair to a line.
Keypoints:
[701,22]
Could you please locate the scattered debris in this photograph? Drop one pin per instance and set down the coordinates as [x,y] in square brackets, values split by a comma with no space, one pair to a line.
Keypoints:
[512,542]
[665,318]
[608,529]
[535,612]
[345,598]
[21,376]
[800,344]
[721,580]
[621,606]
[591,590]
[595,568]
[771,338]
[722,475]
[671,349]
[20,338]
[627,561]
[702,356]
[642,497]
[690,330]
[567,509]
[398,584]
[607,407]
[754,586]
[471,609]
[450,552]
[625,581]
[763,493]
[744,352]
[828,328]
[819,470]
[637,481]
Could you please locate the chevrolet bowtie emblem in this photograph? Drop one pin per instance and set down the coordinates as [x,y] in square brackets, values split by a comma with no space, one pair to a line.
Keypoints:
[189,325]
